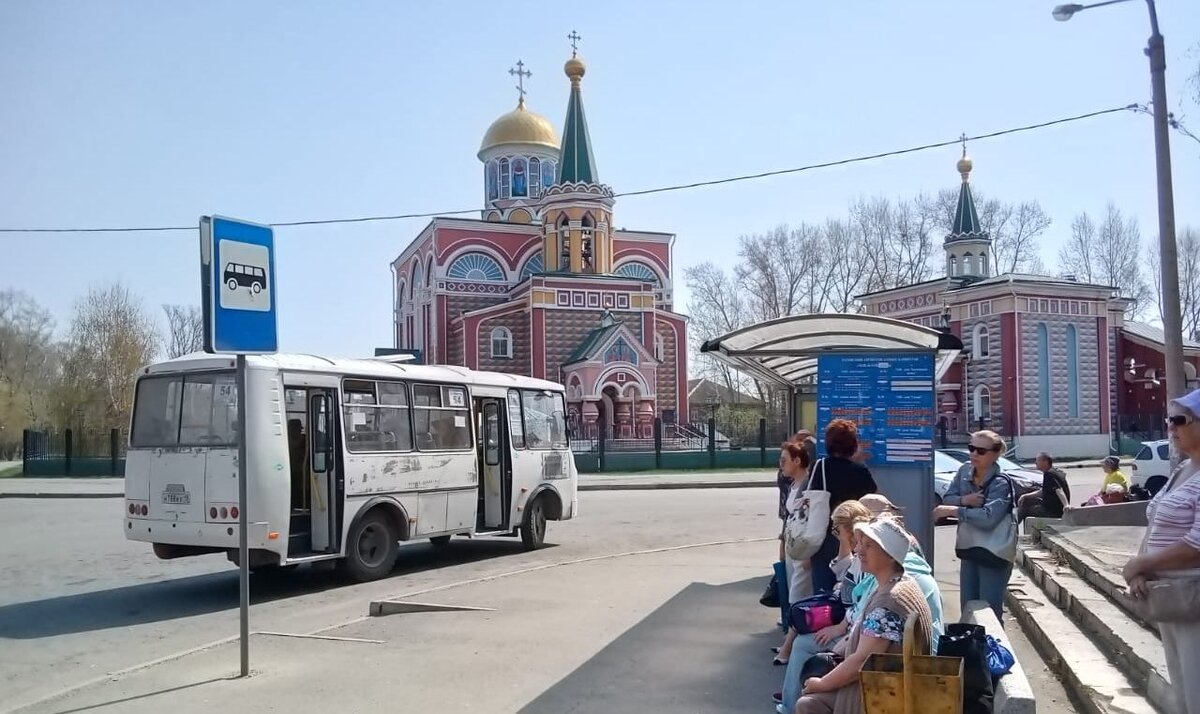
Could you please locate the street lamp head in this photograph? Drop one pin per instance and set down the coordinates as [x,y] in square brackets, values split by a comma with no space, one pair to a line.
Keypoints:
[1062,13]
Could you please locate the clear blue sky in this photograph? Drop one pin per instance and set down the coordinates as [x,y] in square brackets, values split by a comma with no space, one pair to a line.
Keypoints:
[153,113]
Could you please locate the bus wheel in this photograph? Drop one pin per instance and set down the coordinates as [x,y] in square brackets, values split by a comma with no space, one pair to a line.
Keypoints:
[232,284]
[255,288]
[533,527]
[440,541]
[371,550]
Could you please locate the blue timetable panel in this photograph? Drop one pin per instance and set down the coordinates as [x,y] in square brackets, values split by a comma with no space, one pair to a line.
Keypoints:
[889,395]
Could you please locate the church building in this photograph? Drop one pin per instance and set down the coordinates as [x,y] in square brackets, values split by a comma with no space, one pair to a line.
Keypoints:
[1049,362]
[545,285]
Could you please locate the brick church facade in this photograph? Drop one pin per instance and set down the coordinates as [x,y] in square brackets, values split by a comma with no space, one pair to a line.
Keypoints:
[1050,362]
[544,285]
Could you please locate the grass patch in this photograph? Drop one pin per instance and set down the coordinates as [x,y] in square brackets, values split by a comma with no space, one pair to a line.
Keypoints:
[10,471]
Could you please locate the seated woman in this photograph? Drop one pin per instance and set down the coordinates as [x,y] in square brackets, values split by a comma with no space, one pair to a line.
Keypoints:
[1115,488]
[883,546]
[848,568]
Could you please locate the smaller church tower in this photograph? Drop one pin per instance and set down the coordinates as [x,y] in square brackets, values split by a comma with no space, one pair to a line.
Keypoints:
[968,245]
[577,210]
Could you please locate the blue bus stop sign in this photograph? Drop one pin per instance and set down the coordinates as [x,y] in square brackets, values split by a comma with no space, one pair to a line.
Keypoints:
[238,275]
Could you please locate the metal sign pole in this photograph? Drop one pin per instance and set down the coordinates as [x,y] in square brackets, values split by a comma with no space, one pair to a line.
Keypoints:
[243,518]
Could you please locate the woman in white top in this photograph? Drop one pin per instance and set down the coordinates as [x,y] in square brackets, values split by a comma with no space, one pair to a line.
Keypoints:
[794,460]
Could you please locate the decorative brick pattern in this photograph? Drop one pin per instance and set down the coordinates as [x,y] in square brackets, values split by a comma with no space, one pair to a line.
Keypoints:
[456,305]
[1091,390]
[454,345]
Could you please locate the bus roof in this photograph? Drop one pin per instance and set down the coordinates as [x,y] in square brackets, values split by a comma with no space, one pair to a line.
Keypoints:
[378,368]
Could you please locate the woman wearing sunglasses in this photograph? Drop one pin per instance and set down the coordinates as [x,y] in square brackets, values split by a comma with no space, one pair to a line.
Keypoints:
[982,498]
[1171,549]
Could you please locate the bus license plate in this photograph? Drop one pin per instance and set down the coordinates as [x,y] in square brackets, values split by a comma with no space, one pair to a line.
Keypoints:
[177,495]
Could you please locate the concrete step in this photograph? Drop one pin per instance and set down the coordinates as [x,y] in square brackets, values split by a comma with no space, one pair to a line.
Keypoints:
[1096,572]
[1136,650]
[1098,685]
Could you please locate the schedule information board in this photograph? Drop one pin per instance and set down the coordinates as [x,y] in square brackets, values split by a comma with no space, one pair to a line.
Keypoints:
[889,395]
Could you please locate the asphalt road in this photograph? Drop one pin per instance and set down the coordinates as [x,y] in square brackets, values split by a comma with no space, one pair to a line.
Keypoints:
[80,602]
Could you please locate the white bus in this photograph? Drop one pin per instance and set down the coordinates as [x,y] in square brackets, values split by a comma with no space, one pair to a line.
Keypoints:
[345,458]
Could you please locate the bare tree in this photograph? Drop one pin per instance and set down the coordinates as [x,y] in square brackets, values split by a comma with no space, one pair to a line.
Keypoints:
[111,337]
[27,364]
[1108,253]
[185,330]
[716,307]
[1189,278]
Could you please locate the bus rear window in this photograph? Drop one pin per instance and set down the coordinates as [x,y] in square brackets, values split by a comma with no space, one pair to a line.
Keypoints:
[186,410]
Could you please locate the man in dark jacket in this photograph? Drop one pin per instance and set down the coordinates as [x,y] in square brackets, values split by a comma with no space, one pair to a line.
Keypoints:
[1053,497]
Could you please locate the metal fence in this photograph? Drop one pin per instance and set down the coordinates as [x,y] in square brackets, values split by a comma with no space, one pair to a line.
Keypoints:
[713,443]
[73,452]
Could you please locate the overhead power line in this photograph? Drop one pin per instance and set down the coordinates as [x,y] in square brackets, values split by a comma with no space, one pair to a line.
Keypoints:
[643,192]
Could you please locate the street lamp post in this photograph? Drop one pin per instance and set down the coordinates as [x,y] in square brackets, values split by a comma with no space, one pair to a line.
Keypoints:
[1169,260]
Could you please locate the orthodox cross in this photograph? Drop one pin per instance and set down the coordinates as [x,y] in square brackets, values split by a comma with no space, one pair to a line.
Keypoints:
[574,38]
[963,139]
[520,73]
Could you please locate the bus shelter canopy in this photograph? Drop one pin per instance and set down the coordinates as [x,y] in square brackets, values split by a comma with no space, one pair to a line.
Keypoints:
[784,351]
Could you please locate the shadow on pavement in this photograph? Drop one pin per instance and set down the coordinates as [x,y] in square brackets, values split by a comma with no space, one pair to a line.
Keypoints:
[214,592]
[705,650]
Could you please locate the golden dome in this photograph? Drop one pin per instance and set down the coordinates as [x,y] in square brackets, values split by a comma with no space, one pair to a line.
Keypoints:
[575,69]
[520,126]
[965,165]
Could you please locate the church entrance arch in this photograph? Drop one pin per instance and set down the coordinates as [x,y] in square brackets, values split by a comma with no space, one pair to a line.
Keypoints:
[608,409]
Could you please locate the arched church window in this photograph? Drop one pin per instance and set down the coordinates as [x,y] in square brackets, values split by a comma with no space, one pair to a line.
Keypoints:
[547,174]
[535,177]
[967,264]
[493,180]
[564,243]
[1043,362]
[477,267]
[983,264]
[1072,372]
[400,296]
[660,348]
[502,343]
[520,181]
[533,266]
[638,271]
[588,228]
[417,278]
[953,267]
[505,186]
[983,403]
[982,342]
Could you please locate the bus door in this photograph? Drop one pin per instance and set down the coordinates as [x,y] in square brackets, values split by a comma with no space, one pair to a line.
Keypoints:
[326,478]
[495,465]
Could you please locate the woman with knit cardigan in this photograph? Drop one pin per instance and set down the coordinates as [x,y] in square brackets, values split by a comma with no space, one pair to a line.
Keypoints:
[882,545]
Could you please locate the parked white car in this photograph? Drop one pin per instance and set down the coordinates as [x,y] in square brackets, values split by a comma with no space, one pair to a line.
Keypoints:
[1152,465]
[1024,479]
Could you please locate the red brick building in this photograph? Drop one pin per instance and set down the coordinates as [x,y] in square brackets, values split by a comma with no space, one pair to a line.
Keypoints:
[1050,362]
[545,285]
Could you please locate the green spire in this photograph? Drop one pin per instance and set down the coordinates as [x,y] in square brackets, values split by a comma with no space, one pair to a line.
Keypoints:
[576,163]
[966,218]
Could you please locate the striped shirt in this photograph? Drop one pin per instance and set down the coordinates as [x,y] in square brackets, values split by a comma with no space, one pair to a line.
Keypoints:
[1173,514]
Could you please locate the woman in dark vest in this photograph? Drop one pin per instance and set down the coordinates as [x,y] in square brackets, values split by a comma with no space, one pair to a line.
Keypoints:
[845,480]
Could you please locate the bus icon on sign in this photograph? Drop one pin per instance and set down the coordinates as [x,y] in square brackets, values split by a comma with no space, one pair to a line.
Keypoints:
[251,277]
[245,276]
